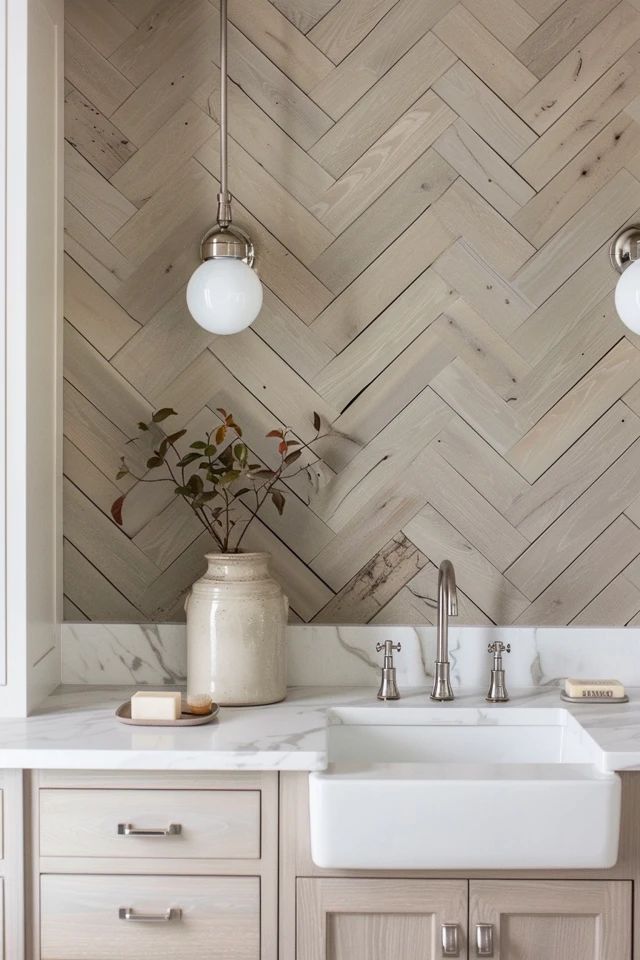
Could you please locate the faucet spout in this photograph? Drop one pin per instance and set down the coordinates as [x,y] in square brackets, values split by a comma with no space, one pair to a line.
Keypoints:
[447,607]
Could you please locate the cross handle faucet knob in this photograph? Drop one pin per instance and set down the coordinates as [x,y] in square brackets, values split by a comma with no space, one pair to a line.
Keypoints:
[499,647]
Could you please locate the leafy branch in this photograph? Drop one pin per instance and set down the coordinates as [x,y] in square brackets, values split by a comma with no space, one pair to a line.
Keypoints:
[216,477]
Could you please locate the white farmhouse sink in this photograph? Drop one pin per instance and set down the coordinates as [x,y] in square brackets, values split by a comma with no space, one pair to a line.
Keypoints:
[459,788]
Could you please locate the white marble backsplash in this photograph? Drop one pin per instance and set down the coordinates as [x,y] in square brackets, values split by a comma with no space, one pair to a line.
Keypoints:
[346,656]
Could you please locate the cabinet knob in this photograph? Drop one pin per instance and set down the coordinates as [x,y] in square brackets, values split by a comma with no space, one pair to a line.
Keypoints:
[484,939]
[128,830]
[129,914]
[450,940]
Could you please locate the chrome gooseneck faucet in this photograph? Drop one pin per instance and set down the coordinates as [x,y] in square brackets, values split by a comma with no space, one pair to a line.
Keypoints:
[447,607]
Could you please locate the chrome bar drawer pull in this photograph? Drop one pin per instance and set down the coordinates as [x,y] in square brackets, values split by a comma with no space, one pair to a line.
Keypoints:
[128,913]
[484,939]
[450,940]
[128,830]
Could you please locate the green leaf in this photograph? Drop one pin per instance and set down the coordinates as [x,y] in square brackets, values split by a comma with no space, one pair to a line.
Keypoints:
[142,426]
[316,420]
[162,449]
[183,491]
[241,493]
[210,450]
[278,501]
[162,414]
[174,437]
[122,472]
[188,458]
[229,477]
[199,445]
[292,457]
[195,484]
[241,453]
[154,462]
[209,495]
[226,458]
[264,473]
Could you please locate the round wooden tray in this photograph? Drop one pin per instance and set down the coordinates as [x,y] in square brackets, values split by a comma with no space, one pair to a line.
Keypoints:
[123,713]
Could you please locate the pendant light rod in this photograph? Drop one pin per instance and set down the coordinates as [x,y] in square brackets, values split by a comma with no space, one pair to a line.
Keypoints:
[224,197]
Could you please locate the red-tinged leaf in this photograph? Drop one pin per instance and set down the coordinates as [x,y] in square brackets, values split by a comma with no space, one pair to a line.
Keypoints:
[222,412]
[278,501]
[116,510]
[235,427]
[275,433]
[162,414]
[292,457]
[316,420]
[282,447]
[221,433]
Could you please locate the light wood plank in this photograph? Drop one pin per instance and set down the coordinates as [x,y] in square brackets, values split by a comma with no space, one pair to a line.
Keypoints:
[617,146]
[346,25]
[381,223]
[405,141]
[93,313]
[610,94]
[595,568]
[545,46]
[351,312]
[390,40]
[99,23]
[484,169]
[614,606]
[572,415]
[578,526]
[263,24]
[93,196]
[485,113]
[493,297]
[95,78]
[534,508]
[377,110]
[506,19]
[92,135]
[162,156]
[580,68]
[485,55]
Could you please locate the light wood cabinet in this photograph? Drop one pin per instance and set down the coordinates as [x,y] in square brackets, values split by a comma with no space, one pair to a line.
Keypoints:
[554,919]
[378,919]
[343,919]
[134,918]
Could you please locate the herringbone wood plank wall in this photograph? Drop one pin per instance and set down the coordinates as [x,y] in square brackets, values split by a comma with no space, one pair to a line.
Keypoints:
[431,186]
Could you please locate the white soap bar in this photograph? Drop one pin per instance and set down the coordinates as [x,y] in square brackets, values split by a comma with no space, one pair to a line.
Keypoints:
[593,688]
[154,705]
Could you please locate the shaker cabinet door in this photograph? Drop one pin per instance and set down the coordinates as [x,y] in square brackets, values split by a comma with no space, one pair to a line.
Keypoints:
[554,919]
[342,919]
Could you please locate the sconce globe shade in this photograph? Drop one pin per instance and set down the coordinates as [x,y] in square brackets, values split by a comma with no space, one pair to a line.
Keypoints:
[224,295]
[628,296]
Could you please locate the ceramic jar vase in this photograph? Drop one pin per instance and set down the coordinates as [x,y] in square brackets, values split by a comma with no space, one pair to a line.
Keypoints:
[236,618]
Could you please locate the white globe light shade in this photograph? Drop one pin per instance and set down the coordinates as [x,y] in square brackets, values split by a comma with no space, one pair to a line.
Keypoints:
[224,295]
[628,296]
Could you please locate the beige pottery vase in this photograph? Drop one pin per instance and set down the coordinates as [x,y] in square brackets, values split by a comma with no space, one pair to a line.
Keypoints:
[236,619]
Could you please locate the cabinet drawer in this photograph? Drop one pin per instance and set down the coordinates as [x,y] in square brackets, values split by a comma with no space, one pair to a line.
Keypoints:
[211,917]
[202,824]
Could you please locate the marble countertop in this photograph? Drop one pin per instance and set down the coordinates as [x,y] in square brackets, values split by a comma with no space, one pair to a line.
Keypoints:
[77,729]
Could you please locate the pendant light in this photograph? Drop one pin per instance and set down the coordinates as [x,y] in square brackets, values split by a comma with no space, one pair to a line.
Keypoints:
[224,294]
[625,258]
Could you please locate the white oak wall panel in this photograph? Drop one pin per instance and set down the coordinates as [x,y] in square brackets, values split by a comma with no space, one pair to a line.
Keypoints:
[431,187]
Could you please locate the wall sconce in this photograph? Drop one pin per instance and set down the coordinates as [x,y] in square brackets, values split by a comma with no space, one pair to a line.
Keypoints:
[224,294]
[625,258]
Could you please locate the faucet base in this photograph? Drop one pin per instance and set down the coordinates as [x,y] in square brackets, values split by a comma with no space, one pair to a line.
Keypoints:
[441,682]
